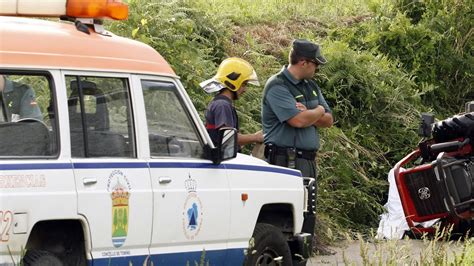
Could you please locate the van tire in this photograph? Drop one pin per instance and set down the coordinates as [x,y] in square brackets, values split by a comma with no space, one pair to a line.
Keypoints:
[268,243]
[37,257]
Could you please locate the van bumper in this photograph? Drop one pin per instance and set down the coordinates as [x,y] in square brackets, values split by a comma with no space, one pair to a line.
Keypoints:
[301,246]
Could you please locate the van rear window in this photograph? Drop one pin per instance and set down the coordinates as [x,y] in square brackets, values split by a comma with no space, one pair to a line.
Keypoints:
[27,116]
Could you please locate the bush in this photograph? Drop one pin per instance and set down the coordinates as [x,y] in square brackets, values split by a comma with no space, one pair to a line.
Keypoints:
[376,107]
[375,103]
[186,37]
[432,40]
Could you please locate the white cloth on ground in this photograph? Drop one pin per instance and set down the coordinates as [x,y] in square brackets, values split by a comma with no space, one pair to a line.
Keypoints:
[392,223]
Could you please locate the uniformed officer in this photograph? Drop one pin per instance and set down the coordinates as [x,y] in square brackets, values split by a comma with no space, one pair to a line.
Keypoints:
[293,111]
[18,101]
[230,82]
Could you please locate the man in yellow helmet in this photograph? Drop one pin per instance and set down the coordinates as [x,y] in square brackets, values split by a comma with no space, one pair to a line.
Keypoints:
[230,82]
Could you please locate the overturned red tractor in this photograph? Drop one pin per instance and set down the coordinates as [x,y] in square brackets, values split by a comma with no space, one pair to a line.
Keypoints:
[436,181]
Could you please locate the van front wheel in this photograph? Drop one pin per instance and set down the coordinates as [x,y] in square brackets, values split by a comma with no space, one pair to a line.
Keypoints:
[268,246]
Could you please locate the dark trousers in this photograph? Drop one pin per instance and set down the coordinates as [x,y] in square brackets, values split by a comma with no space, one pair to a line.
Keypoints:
[308,169]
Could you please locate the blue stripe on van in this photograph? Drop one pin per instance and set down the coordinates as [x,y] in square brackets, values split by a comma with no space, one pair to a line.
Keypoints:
[116,165]
[126,261]
[185,165]
[226,166]
[213,257]
[100,165]
[263,169]
[35,166]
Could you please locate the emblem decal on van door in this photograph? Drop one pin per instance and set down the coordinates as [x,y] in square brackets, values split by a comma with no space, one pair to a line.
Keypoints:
[192,210]
[119,188]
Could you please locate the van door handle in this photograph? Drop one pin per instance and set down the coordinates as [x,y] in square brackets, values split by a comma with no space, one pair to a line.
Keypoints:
[89,180]
[164,180]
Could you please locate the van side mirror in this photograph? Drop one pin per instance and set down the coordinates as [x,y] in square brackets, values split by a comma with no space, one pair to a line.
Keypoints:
[227,146]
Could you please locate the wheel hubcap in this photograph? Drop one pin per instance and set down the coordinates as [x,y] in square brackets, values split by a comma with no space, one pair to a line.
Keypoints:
[269,257]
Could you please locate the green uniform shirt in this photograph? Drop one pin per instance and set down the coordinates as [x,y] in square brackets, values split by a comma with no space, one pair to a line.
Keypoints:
[19,102]
[281,93]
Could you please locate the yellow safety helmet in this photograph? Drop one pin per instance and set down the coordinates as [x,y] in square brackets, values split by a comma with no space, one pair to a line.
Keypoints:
[231,74]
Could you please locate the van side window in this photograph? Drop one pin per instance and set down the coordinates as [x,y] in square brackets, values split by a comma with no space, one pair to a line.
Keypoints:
[100,117]
[171,131]
[27,116]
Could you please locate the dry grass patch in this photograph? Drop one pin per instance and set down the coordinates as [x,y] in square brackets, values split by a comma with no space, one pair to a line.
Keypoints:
[274,38]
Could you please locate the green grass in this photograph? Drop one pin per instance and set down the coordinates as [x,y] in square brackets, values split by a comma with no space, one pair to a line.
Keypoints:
[267,11]
[436,250]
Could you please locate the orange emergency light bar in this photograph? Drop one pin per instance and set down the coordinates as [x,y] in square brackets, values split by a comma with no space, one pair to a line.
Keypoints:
[113,9]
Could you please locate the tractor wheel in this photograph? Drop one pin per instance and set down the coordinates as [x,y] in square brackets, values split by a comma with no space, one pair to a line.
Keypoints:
[458,126]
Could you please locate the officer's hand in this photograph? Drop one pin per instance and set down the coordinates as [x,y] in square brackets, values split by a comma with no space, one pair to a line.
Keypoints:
[300,106]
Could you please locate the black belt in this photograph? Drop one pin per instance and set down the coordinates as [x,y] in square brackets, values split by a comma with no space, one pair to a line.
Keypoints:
[304,154]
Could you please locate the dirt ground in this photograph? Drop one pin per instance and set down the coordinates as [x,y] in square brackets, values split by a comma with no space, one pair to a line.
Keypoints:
[403,251]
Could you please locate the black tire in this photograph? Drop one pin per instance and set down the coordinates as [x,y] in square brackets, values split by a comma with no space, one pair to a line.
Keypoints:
[37,257]
[463,230]
[267,245]
[454,127]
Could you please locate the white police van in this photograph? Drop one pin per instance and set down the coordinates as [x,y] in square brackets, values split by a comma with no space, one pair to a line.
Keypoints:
[104,160]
